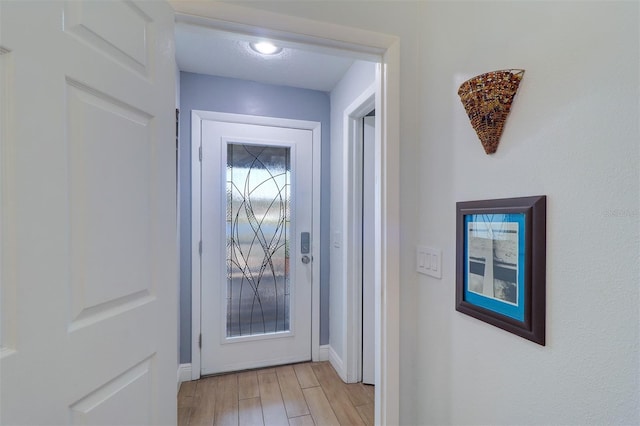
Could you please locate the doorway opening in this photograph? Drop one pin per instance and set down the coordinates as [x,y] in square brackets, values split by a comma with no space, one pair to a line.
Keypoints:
[360,213]
[360,44]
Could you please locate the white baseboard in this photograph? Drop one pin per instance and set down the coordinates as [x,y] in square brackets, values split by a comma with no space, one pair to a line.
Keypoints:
[184,373]
[337,364]
[323,353]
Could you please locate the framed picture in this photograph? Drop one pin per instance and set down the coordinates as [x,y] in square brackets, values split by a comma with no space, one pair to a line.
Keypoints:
[501,263]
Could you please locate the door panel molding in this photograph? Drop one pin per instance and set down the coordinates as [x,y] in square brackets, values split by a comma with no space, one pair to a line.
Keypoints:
[127,44]
[197,117]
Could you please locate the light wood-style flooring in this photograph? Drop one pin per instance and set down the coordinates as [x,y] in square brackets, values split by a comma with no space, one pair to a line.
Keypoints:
[301,394]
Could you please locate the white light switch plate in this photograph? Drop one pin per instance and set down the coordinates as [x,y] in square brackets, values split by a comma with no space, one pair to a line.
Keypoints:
[429,261]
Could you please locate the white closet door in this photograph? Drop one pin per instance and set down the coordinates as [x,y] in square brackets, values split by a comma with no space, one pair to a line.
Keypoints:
[89,256]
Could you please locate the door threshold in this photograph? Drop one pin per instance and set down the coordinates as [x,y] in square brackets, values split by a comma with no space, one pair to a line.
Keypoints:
[226,373]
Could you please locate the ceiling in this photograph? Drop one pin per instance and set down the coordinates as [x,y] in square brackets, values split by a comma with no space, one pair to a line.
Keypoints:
[208,51]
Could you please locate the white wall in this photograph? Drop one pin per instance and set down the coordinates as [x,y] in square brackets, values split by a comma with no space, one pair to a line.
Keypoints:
[357,79]
[572,135]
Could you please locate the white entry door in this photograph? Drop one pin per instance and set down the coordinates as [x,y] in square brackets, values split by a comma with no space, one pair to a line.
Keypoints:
[88,214]
[256,262]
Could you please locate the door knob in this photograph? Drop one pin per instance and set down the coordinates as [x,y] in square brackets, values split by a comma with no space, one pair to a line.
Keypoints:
[306,259]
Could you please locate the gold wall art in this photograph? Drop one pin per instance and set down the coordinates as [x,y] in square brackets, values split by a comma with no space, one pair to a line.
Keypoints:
[487,99]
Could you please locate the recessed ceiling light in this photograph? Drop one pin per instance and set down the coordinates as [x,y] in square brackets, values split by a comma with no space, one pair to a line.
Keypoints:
[266,48]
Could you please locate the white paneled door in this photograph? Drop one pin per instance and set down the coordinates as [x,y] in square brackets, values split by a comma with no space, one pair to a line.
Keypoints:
[89,270]
[256,262]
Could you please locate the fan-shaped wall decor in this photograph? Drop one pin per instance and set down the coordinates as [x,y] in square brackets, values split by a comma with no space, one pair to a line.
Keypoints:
[487,99]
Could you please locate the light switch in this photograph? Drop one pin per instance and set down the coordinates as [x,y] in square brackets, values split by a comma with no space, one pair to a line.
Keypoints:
[429,261]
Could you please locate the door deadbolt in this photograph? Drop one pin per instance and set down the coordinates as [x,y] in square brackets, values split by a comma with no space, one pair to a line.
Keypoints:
[305,243]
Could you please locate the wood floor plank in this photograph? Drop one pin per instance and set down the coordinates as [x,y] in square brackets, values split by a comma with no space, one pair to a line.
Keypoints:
[183,415]
[344,410]
[371,391]
[337,394]
[320,408]
[327,377]
[302,394]
[332,383]
[226,411]
[188,388]
[273,411]
[250,412]
[306,376]
[292,396]
[367,413]
[357,394]
[301,421]
[248,385]
[204,401]
[185,401]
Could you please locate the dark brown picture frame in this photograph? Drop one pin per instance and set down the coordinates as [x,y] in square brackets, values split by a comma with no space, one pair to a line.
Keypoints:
[509,294]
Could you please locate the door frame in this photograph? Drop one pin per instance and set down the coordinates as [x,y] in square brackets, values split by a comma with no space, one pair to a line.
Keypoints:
[197,117]
[362,44]
[352,218]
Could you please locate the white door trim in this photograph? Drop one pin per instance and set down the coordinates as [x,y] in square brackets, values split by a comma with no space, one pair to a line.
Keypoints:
[352,218]
[363,44]
[197,117]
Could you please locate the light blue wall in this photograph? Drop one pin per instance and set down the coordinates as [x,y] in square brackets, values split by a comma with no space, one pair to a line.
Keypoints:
[201,92]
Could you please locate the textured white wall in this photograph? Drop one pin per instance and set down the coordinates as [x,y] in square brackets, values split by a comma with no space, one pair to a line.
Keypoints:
[573,135]
[356,80]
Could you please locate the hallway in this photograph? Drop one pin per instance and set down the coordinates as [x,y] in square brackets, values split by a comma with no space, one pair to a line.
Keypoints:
[310,393]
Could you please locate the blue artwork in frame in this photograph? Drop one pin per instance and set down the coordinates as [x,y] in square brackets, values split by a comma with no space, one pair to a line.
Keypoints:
[494,269]
[500,263]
